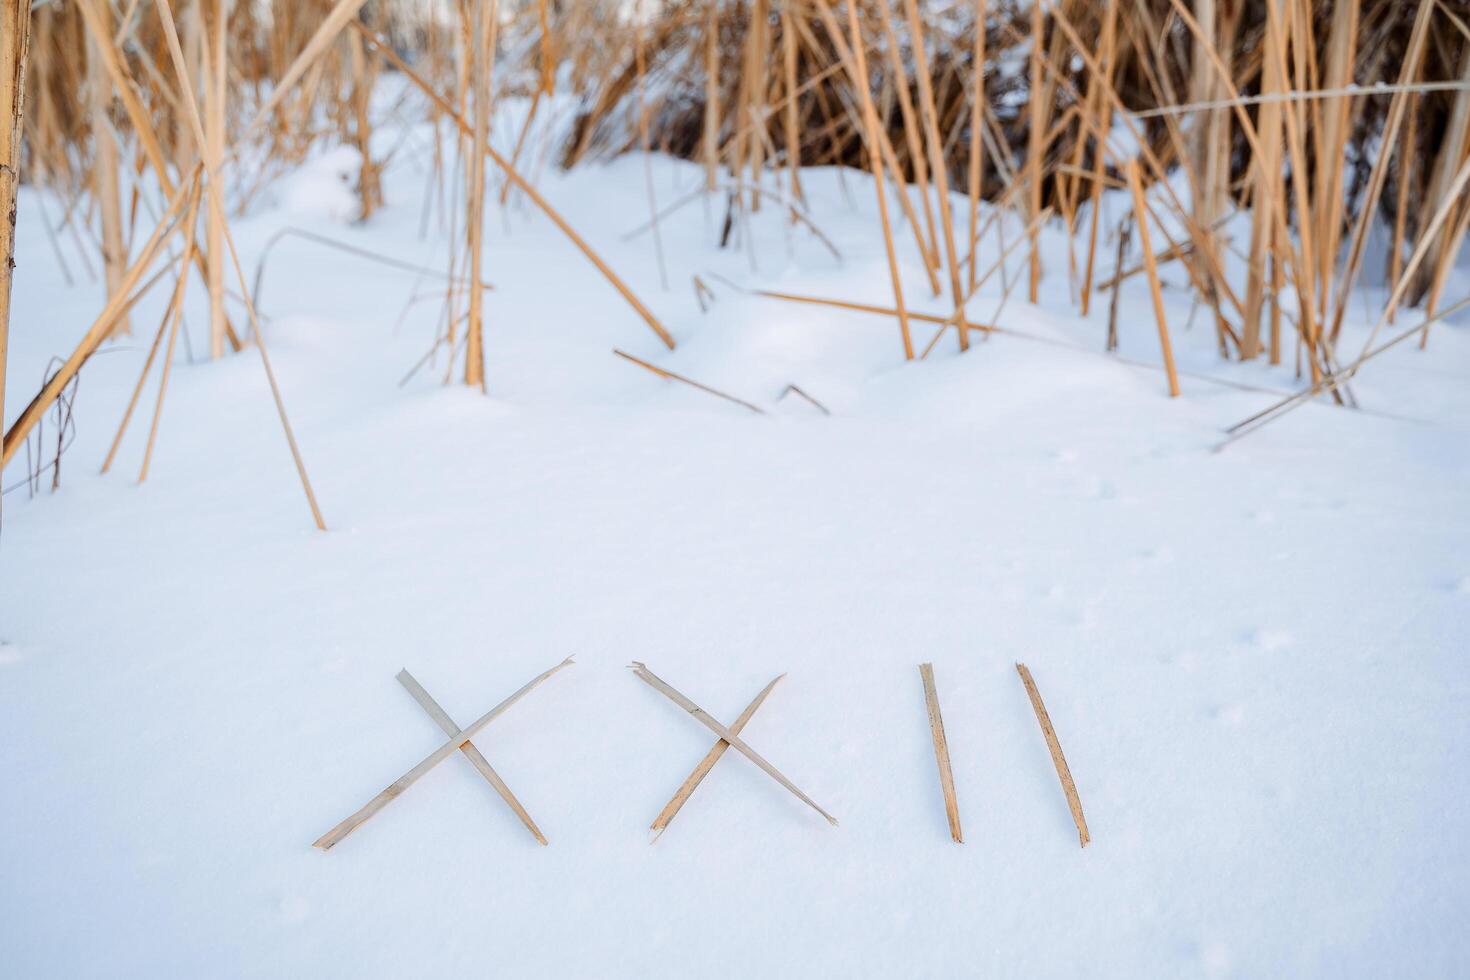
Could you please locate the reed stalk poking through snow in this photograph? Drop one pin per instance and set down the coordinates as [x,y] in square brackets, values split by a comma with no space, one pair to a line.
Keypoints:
[1323,120]
[15,34]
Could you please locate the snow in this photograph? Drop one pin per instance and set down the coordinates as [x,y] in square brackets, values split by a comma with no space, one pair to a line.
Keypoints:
[1254,658]
[323,186]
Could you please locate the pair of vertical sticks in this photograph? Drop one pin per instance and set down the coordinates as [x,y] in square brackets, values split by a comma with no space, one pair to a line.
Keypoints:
[946,773]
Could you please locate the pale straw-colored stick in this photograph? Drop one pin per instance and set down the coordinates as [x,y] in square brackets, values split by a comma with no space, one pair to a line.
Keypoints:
[1304,95]
[1330,381]
[15,41]
[941,753]
[168,361]
[1098,167]
[670,375]
[1074,802]
[1140,210]
[870,125]
[977,145]
[170,315]
[938,166]
[1036,147]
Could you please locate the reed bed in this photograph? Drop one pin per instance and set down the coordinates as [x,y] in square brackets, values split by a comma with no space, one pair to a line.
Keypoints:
[155,124]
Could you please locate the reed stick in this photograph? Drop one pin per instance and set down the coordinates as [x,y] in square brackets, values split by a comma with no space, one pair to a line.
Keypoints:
[1140,211]
[875,163]
[482,62]
[976,170]
[175,301]
[710,138]
[860,80]
[911,131]
[214,76]
[941,753]
[937,165]
[1074,802]
[104,180]
[671,376]
[789,107]
[176,316]
[1104,129]
[1036,109]
[15,39]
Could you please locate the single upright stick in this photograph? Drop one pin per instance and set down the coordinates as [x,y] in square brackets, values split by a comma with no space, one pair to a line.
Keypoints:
[941,753]
[1074,802]
[214,80]
[15,39]
[977,145]
[1036,145]
[661,822]
[482,66]
[870,128]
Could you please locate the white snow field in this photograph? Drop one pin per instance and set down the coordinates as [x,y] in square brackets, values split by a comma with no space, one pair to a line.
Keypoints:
[1255,658]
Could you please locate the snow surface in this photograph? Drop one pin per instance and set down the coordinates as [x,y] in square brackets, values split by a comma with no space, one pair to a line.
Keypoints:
[1255,659]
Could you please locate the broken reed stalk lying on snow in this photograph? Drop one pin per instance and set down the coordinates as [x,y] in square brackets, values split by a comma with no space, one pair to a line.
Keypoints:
[1074,802]
[670,375]
[941,753]
[1290,402]
[796,390]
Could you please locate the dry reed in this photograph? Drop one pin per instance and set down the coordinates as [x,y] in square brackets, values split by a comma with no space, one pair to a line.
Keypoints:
[1317,121]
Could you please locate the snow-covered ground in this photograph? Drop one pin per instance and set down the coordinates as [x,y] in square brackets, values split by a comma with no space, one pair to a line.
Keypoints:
[1254,658]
